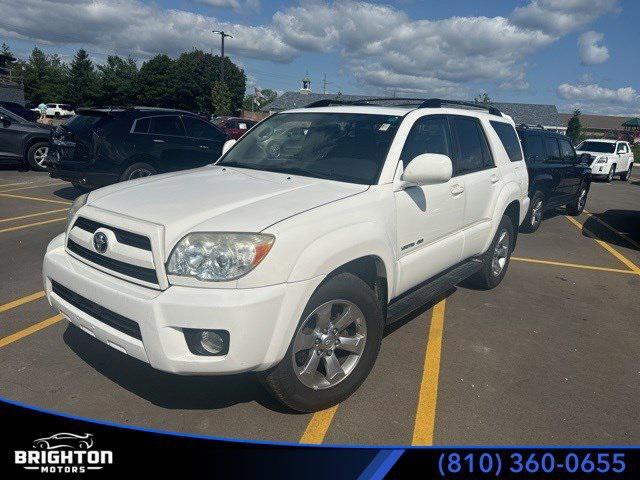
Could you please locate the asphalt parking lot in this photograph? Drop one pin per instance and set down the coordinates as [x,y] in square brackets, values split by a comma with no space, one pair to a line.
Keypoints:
[550,356]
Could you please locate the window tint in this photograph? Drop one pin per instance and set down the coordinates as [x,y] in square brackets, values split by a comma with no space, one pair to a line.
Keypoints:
[533,148]
[166,125]
[199,129]
[566,151]
[553,152]
[428,135]
[142,125]
[473,150]
[509,139]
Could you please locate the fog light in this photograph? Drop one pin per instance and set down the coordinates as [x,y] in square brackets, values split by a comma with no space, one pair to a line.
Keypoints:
[207,342]
[211,342]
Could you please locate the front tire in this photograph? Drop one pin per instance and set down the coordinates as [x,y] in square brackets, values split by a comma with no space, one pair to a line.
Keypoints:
[612,172]
[333,349]
[625,176]
[495,261]
[36,156]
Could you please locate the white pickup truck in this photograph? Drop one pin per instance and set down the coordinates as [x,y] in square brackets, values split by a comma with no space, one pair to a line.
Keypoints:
[291,263]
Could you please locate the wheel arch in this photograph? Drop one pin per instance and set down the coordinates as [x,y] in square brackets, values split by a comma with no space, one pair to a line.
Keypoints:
[30,142]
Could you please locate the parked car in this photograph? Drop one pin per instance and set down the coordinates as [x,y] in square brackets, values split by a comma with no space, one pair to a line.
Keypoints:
[292,265]
[22,141]
[58,110]
[608,158]
[98,147]
[20,111]
[235,127]
[558,176]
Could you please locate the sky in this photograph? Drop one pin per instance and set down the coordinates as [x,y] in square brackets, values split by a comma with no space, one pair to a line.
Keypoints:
[572,53]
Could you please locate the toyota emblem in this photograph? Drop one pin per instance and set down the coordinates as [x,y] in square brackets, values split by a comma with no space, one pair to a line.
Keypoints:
[100,242]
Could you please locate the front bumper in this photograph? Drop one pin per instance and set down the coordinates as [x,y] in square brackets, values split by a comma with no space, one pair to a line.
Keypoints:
[260,321]
[600,170]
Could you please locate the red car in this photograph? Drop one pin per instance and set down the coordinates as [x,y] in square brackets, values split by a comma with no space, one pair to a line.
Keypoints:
[235,127]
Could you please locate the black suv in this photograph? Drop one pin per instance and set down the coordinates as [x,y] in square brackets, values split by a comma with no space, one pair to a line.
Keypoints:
[98,147]
[22,141]
[557,175]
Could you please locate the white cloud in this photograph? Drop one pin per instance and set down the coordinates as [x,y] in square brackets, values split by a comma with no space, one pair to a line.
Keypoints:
[236,5]
[591,53]
[594,93]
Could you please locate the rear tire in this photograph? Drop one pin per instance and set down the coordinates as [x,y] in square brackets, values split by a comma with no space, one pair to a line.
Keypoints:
[289,383]
[534,216]
[36,154]
[137,170]
[495,260]
[625,176]
[576,207]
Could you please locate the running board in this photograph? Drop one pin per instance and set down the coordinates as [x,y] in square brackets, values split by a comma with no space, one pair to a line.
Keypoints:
[421,295]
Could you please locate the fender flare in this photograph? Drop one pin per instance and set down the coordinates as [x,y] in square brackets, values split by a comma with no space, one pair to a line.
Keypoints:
[509,193]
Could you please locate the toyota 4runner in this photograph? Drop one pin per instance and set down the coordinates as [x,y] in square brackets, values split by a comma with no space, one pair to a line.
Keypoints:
[290,261]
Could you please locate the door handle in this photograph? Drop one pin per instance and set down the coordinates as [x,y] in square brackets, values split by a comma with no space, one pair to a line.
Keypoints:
[157,140]
[204,147]
[494,178]
[457,190]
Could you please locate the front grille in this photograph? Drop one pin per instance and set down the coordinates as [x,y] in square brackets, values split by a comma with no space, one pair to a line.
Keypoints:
[104,315]
[133,271]
[128,238]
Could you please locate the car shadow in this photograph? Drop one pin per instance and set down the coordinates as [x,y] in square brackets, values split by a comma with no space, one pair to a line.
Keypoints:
[18,167]
[390,328]
[68,193]
[626,222]
[168,390]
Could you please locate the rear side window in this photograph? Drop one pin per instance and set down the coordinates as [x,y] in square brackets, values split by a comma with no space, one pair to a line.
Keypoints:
[167,125]
[429,134]
[553,152]
[197,128]
[509,139]
[566,151]
[142,125]
[473,149]
[81,124]
[533,147]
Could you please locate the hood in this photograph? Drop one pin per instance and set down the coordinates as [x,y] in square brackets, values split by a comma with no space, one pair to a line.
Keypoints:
[218,199]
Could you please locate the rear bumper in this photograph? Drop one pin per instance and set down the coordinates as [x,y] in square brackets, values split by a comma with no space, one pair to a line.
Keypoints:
[88,179]
[260,321]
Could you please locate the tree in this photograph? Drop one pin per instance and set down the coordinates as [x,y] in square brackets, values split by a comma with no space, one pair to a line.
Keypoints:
[117,82]
[482,98]
[250,102]
[221,100]
[82,87]
[574,127]
[44,76]
[155,82]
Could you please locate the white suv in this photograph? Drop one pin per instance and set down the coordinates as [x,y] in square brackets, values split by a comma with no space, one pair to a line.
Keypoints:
[59,110]
[291,263]
[608,158]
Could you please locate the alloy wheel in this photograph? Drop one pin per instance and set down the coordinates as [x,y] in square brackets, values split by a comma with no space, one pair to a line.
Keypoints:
[536,213]
[139,173]
[500,253]
[329,344]
[40,155]
[582,200]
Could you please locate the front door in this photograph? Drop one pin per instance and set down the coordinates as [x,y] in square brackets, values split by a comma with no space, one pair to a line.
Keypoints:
[624,157]
[11,134]
[429,218]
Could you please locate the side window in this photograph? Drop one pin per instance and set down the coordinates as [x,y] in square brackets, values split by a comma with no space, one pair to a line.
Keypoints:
[142,125]
[533,148]
[622,148]
[509,139]
[167,125]
[553,152]
[567,152]
[473,150]
[199,129]
[428,134]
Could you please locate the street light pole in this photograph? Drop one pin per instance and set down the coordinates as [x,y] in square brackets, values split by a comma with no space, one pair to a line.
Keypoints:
[223,35]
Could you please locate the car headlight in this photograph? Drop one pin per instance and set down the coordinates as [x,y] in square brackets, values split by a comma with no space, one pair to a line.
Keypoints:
[218,256]
[78,203]
[601,160]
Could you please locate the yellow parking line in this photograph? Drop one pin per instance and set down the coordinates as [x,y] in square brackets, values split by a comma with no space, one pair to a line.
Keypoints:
[29,330]
[21,301]
[606,246]
[426,412]
[21,217]
[572,265]
[318,426]
[606,225]
[13,184]
[34,224]
[33,186]
[24,197]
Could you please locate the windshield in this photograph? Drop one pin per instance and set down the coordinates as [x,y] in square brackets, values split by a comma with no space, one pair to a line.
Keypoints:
[345,147]
[600,147]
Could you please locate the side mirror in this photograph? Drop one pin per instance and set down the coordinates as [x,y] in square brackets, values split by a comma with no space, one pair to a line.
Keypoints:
[6,121]
[428,169]
[227,145]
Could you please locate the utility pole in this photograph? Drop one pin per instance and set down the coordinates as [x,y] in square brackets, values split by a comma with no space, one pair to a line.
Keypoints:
[223,35]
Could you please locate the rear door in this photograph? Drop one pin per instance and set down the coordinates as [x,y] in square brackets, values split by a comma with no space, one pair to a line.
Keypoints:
[206,140]
[11,135]
[476,172]
[554,169]
[170,146]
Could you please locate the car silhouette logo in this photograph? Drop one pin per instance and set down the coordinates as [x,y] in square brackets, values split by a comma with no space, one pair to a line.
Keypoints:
[65,440]
[100,242]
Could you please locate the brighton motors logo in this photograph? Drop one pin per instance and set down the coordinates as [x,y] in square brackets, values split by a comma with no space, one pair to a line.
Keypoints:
[63,453]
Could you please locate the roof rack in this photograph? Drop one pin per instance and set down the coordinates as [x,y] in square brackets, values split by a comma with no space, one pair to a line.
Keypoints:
[438,103]
[404,102]
[525,126]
